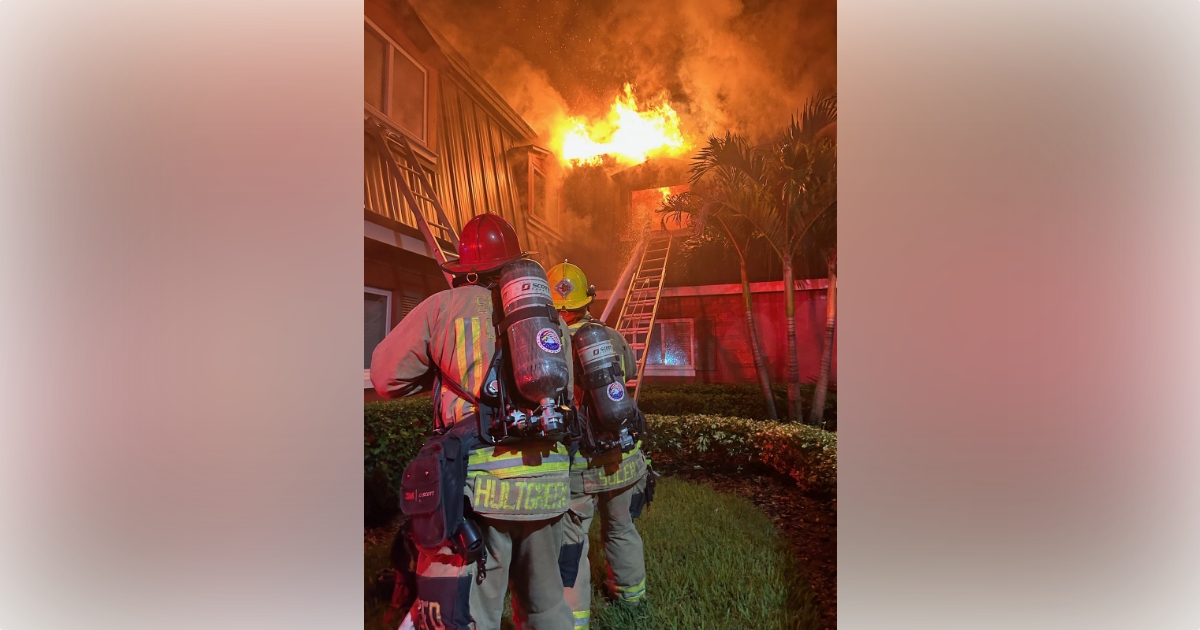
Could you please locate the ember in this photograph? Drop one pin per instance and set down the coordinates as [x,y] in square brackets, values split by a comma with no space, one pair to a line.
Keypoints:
[628,134]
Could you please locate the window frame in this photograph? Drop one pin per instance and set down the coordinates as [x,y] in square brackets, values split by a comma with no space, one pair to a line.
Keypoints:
[387,324]
[389,60]
[668,370]
[535,170]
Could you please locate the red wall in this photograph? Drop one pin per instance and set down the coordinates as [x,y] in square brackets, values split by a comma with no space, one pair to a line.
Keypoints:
[722,347]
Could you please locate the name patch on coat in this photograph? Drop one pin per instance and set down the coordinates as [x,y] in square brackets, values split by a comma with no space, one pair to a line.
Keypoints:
[521,496]
[632,468]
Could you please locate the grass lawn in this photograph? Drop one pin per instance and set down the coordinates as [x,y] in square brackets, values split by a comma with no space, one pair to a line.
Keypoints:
[713,561]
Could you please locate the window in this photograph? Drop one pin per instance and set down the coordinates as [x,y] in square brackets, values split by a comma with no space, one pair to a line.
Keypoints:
[406,104]
[395,85]
[536,185]
[672,348]
[377,320]
[375,64]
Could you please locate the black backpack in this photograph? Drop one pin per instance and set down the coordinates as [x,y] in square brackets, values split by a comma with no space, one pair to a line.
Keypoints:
[431,492]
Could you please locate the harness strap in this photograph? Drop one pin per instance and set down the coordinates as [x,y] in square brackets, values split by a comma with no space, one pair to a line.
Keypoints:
[603,376]
[458,390]
[538,310]
[439,380]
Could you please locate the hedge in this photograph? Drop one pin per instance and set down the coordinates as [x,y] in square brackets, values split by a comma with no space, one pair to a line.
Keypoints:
[735,401]
[804,453]
[394,431]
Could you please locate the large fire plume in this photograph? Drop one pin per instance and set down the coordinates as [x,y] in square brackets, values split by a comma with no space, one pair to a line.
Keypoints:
[628,134]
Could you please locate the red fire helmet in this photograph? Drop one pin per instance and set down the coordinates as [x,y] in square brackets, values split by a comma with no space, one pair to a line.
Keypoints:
[487,243]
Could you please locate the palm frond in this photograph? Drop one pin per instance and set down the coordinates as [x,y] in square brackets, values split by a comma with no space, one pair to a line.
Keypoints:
[775,193]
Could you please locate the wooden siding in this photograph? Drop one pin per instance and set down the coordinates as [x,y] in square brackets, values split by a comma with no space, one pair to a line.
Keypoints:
[381,193]
[475,173]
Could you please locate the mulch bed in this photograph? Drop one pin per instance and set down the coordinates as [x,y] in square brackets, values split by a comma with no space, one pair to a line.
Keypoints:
[374,536]
[808,521]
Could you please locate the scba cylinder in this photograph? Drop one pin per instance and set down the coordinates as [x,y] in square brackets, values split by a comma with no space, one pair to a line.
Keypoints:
[611,406]
[540,364]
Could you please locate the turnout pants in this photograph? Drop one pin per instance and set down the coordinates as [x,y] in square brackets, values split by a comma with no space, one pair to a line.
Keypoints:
[521,553]
[525,554]
[626,579]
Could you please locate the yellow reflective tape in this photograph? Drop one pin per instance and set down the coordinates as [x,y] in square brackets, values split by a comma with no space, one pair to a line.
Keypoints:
[477,347]
[621,355]
[599,460]
[632,593]
[481,457]
[508,464]
[489,454]
[460,346]
[521,471]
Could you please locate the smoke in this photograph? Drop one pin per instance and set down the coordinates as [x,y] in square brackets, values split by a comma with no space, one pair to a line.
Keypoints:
[737,65]
[740,65]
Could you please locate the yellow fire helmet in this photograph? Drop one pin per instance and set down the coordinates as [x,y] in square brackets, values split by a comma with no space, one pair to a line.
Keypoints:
[568,287]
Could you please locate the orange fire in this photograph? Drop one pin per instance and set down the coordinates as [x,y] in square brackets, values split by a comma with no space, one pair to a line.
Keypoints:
[628,134]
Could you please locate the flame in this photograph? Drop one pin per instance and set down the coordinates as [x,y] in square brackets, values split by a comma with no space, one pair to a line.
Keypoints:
[628,134]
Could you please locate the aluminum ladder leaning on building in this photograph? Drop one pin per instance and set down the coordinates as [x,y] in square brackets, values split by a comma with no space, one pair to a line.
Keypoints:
[642,283]
[403,167]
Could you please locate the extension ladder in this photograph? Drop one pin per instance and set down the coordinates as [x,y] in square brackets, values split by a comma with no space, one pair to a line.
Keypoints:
[636,322]
[405,170]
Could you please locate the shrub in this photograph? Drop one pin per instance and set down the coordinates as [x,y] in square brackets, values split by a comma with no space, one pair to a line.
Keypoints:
[735,401]
[804,453]
[393,432]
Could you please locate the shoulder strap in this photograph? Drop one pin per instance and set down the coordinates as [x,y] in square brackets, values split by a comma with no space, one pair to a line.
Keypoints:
[458,389]
[538,310]
[461,392]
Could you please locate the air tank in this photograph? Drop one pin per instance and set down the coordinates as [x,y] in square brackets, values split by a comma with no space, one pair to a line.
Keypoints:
[611,406]
[538,353]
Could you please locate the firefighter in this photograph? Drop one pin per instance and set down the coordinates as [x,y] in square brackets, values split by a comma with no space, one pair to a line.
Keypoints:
[612,482]
[517,494]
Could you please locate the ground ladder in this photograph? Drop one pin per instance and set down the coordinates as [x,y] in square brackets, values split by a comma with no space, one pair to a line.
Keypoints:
[406,174]
[641,297]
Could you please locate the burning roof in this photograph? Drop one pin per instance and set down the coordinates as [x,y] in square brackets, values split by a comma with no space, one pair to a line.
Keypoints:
[628,134]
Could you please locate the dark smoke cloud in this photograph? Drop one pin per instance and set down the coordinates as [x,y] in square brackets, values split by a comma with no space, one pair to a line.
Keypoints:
[724,64]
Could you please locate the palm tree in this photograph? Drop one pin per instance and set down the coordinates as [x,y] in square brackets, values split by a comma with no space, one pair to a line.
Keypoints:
[714,217]
[781,191]
[824,235]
